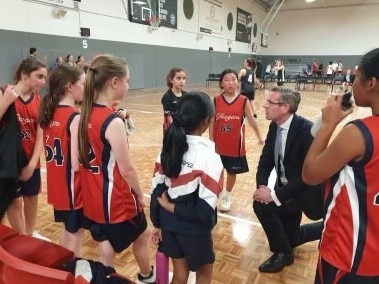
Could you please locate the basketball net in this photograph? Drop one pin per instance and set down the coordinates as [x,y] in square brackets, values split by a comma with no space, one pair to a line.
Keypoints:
[153,23]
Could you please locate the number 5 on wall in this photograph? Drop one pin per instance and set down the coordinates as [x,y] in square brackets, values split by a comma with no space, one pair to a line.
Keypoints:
[85,43]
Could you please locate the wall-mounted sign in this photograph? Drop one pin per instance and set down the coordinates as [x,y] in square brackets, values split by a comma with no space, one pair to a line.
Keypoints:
[211,17]
[168,11]
[244,26]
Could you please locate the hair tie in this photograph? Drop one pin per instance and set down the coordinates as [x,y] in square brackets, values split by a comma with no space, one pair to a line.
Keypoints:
[92,69]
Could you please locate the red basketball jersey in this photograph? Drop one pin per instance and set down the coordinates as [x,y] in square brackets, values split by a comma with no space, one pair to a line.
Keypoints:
[350,238]
[27,116]
[63,187]
[107,198]
[229,129]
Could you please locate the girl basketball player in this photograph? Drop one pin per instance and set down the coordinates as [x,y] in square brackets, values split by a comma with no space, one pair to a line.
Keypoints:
[228,131]
[348,246]
[30,77]
[59,121]
[187,181]
[112,197]
[176,79]
[248,81]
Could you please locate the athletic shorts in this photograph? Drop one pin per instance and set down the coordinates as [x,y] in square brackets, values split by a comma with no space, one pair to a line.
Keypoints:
[235,165]
[196,249]
[327,273]
[249,95]
[32,186]
[120,235]
[73,220]
[8,188]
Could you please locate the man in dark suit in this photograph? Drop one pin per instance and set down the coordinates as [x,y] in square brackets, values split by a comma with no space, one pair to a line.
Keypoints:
[279,210]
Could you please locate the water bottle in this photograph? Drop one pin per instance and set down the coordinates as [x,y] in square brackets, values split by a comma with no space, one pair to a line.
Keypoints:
[161,264]
[347,102]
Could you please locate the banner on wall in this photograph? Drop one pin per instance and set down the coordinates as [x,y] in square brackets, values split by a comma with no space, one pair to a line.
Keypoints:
[142,10]
[210,17]
[168,12]
[244,26]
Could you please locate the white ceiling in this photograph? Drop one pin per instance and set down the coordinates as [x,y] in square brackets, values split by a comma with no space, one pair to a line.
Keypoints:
[302,4]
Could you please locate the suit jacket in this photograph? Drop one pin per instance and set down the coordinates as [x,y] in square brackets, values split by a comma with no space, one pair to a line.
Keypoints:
[12,157]
[298,142]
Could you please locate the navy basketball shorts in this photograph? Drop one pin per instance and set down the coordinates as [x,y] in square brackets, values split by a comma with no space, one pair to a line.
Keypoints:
[196,249]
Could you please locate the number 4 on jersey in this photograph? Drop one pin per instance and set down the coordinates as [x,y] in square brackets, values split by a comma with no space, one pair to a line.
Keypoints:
[54,151]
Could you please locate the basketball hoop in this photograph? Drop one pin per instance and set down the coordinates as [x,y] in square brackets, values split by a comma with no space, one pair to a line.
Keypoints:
[153,23]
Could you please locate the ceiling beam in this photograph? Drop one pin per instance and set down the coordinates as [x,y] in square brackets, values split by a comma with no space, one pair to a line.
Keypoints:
[262,3]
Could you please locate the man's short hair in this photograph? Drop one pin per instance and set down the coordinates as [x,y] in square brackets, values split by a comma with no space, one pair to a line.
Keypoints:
[288,96]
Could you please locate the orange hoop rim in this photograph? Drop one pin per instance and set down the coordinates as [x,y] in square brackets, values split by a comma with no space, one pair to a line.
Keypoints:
[153,21]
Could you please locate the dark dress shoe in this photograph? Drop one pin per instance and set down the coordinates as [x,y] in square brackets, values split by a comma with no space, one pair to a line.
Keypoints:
[276,262]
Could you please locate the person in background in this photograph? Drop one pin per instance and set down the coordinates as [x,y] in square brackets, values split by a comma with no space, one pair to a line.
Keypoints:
[279,209]
[81,62]
[279,68]
[320,71]
[112,196]
[227,130]
[339,67]
[348,248]
[248,79]
[69,60]
[186,183]
[175,80]
[30,77]
[33,52]
[329,69]
[347,80]
[58,62]
[268,69]
[314,68]
[334,67]
[259,71]
[59,121]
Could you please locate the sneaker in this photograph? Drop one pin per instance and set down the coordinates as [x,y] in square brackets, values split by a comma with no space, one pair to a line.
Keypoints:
[149,279]
[225,201]
[83,268]
[37,235]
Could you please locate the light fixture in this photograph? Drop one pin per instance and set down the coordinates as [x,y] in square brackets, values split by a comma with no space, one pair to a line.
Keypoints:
[139,2]
[309,1]
[59,13]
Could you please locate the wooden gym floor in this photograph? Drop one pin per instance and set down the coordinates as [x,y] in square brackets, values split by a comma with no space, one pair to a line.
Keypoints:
[239,241]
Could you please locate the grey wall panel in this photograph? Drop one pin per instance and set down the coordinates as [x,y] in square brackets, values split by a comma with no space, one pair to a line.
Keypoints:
[9,58]
[148,64]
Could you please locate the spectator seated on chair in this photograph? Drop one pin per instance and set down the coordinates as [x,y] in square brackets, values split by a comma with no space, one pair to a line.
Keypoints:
[348,79]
